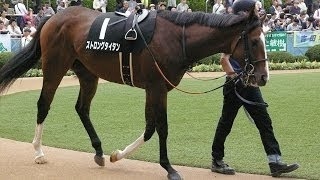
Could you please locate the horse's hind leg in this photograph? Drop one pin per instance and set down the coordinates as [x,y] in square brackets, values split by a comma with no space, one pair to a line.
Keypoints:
[88,87]
[51,79]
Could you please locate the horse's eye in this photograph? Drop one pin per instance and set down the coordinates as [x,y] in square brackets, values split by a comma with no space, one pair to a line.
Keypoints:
[255,43]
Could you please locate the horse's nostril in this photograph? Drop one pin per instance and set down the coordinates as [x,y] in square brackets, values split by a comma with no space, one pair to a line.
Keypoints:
[264,78]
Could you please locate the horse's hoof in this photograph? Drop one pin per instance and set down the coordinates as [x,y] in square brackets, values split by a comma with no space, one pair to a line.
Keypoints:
[113,156]
[40,160]
[174,176]
[99,160]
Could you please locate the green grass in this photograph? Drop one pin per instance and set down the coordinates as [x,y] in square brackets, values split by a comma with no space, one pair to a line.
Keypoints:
[117,113]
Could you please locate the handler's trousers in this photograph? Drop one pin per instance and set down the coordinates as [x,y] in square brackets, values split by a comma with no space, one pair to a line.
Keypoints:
[231,105]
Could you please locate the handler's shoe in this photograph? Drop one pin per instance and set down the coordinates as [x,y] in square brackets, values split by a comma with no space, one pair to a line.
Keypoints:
[279,167]
[219,166]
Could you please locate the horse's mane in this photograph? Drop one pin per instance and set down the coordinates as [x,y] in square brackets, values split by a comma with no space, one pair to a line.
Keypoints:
[206,19]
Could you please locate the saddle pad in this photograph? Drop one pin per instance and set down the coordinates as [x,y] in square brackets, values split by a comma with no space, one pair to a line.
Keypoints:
[107,33]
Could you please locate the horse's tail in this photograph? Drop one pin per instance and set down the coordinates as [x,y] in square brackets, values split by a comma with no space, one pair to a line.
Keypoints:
[24,60]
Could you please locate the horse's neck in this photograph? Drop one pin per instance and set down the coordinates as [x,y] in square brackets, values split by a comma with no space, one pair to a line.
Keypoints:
[205,41]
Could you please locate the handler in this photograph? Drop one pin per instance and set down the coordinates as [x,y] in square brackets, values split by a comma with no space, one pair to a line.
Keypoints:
[259,114]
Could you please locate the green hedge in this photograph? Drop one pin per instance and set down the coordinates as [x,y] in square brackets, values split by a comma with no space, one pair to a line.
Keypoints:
[277,57]
[4,56]
[272,66]
[313,53]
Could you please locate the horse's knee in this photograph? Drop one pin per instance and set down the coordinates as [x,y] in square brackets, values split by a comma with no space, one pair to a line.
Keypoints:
[81,110]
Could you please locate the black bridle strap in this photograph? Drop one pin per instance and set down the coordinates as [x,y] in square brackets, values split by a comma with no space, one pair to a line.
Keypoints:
[247,56]
[247,101]
[260,60]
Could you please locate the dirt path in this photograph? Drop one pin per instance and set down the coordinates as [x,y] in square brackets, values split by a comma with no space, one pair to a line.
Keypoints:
[16,158]
[16,162]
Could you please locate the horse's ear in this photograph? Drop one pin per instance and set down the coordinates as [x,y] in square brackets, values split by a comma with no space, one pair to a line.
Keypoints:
[253,13]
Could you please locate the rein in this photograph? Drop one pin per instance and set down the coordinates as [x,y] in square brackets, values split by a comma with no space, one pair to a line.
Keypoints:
[161,73]
[211,79]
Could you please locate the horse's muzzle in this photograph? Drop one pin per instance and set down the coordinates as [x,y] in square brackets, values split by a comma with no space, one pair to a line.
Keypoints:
[262,81]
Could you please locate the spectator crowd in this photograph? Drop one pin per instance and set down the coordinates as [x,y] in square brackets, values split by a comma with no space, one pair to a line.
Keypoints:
[282,15]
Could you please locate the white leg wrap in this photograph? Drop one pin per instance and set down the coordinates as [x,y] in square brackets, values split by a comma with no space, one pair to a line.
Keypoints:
[131,148]
[37,141]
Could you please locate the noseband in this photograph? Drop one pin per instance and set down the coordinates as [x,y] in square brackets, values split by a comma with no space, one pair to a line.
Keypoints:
[248,70]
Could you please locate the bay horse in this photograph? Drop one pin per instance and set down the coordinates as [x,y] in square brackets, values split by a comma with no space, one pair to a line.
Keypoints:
[179,40]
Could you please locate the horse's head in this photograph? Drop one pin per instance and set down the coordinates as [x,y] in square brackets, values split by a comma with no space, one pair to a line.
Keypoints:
[250,50]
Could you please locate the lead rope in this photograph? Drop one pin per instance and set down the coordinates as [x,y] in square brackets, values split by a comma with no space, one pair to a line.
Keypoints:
[165,78]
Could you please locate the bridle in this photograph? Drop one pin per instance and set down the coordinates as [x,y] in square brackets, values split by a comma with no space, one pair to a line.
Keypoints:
[248,70]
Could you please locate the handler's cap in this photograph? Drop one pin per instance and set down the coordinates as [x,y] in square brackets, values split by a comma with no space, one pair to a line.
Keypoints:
[243,5]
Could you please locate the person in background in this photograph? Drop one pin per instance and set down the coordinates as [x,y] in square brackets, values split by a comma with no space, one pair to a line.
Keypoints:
[229,10]
[26,38]
[152,7]
[3,28]
[119,5]
[162,6]
[295,9]
[278,25]
[273,7]
[125,8]
[38,17]
[75,3]
[29,16]
[228,3]
[100,5]
[3,17]
[47,10]
[309,25]
[132,5]
[309,4]
[302,6]
[302,17]
[61,6]
[172,3]
[31,27]
[13,28]
[266,26]
[259,114]
[316,14]
[218,7]
[20,10]
[182,6]
[294,25]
